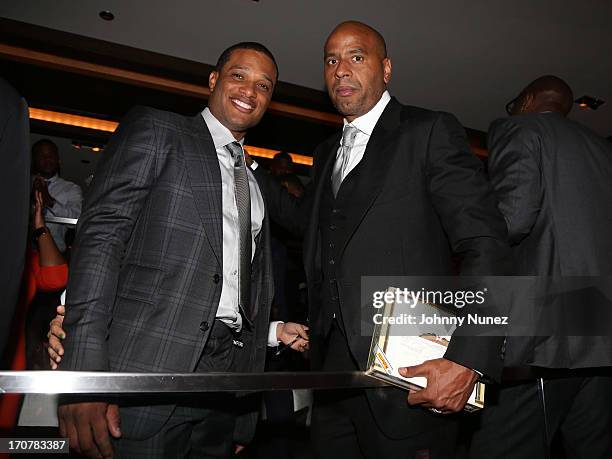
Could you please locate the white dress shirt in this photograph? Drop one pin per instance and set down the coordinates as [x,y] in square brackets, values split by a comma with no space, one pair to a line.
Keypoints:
[68,199]
[365,125]
[228,304]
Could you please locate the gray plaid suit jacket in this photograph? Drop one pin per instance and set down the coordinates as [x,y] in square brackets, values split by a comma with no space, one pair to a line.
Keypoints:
[145,277]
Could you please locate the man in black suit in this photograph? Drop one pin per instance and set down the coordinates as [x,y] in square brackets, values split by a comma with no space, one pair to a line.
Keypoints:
[553,180]
[15,188]
[396,193]
[171,270]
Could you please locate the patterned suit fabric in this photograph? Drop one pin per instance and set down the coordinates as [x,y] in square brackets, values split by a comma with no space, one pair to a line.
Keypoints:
[146,274]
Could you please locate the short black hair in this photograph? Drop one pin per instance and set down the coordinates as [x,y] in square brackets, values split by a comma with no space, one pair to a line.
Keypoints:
[283,155]
[253,45]
[42,142]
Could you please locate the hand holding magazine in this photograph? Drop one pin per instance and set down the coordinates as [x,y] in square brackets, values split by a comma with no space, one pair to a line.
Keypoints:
[408,334]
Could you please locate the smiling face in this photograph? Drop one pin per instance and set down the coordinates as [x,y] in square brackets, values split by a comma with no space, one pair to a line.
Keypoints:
[241,90]
[356,69]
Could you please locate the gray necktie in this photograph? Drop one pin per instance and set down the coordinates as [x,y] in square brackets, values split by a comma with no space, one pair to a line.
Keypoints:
[243,203]
[348,138]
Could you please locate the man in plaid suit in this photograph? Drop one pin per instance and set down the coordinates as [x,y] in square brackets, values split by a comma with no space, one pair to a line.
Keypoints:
[153,284]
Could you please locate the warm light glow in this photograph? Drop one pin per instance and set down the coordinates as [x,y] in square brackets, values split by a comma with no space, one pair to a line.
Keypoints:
[583,105]
[73,120]
[266,153]
[110,126]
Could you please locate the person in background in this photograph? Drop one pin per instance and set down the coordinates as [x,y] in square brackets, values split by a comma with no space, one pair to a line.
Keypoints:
[553,179]
[45,270]
[14,188]
[293,184]
[281,164]
[61,198]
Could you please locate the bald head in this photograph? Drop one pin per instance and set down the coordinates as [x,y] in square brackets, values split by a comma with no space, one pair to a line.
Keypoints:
[545,94]
[356,68]
[361,28]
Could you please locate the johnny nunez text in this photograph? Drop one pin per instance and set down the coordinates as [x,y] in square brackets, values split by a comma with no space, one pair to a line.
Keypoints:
[434,319]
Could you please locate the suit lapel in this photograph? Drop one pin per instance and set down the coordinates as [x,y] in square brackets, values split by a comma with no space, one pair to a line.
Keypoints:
[205,178]
[373,168]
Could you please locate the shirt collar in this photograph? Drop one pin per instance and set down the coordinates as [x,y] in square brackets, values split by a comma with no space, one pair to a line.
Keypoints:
[49,180]
[366,123]
[220,134]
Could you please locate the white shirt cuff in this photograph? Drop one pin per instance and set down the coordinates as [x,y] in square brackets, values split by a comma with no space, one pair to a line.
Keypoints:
[253,165]
[272,341]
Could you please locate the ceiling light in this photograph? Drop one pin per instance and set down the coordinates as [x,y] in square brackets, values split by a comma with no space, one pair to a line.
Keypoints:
[589,103]
[107,15]
[87,146]
[73,120]
[88,122]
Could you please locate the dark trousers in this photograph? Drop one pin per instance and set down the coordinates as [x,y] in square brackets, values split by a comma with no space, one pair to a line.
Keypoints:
[520,422]
[343,424]
[201,426]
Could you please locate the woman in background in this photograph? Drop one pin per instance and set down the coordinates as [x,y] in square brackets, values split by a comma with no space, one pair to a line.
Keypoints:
[45,270]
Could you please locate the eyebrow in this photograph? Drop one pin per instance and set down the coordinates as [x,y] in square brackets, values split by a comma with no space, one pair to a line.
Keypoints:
[351,51]
[248,69]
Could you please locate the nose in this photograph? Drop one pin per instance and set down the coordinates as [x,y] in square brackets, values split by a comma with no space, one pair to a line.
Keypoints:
[248,89]
[343,69]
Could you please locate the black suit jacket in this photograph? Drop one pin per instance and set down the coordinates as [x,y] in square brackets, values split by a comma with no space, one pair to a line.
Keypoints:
[15,187]
[553,180]
[421,195]
[145,277]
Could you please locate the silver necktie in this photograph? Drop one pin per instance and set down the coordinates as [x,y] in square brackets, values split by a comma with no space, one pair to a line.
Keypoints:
[243,203]
[348,138]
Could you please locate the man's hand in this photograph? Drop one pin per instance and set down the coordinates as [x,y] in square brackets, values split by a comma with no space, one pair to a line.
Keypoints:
[87,425]
[56,334]
[449,385]
[41,186]
[293,335]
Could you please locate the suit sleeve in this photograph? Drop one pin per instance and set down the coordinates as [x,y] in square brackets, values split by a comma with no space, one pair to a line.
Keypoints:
[514,168]
[114,201]
[464,201]
[15,188]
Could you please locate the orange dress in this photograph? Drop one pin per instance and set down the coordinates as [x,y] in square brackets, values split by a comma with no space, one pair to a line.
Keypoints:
[35,277]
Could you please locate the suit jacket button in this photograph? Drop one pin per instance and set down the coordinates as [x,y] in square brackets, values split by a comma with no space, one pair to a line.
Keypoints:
[216,278]
[331,262]
[332,227]
[204,326]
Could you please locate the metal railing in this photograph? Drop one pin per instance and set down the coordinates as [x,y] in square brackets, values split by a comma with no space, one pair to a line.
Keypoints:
[77,382]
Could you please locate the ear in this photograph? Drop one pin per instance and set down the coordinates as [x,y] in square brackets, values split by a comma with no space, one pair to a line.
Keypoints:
[212,80]
[528,104]
[387,70]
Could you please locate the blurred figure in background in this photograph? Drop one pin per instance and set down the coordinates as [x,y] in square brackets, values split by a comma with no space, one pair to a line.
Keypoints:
[293,184]
[553,179]
[61,198]
[281,164]
[14,185]
[45,270]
